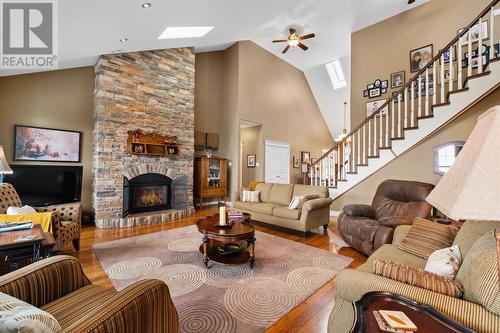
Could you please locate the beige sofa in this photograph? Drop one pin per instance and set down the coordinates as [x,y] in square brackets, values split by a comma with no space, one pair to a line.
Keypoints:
[273,206]
[479,307]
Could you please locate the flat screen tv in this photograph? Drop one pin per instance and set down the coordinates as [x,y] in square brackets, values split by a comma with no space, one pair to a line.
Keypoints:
[42,185]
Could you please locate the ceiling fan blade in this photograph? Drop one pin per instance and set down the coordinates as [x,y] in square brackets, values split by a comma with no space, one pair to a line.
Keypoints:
[307,36]
[286,49]
[291,31]
[280,40]
[302,46]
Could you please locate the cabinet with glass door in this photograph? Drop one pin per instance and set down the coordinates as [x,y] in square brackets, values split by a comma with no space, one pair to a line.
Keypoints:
[210,179]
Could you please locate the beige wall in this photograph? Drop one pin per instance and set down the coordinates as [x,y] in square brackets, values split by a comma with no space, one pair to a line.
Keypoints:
[259,87]
[57,99]
[418,163]
[251,143]
[275,94]
[208,91]
[383,48]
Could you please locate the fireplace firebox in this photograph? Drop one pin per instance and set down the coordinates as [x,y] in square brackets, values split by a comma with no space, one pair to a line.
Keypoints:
[146,193]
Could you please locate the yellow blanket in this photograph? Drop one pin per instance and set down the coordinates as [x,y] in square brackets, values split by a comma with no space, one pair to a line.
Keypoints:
[44,219]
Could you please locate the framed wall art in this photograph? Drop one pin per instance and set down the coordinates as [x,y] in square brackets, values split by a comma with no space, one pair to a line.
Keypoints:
[376,89]
[474,33]
[446,54]
[398,98]
[373,106]
[296,162]
[420,57]
[398,79]
[46,144]
[305,157]
[251,161]
[447,74]
[414,86]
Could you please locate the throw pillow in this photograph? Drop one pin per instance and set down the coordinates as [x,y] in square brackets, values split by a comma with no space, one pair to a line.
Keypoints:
[18,316]
[479,273]
[417,277]
[254,196]
[445,262]
[242,193]
[20,210]
[425,237]
[294,204]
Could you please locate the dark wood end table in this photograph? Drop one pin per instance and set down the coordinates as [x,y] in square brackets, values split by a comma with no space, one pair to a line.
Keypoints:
[15,251]
[425,317]
[239,233]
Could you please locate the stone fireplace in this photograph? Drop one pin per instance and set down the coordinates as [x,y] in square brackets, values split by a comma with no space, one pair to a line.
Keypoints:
[150,192]
[152,91]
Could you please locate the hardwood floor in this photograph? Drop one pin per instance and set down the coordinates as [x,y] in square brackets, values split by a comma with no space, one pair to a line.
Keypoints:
[310,316]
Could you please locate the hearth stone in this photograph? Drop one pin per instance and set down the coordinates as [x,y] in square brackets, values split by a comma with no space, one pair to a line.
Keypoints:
[142,219]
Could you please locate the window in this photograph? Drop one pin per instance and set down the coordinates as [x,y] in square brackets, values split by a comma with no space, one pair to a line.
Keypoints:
[445,155]
[336,74]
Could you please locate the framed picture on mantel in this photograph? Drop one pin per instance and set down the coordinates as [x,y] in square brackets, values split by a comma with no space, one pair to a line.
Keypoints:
[46,144]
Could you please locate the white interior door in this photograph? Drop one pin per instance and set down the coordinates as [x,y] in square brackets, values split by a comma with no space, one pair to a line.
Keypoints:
[277,166]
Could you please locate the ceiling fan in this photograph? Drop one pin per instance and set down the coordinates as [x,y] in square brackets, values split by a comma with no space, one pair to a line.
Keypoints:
[294,40]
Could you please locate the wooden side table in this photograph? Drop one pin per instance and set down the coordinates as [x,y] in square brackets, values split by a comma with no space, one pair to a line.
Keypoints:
[425,317]
[15,251]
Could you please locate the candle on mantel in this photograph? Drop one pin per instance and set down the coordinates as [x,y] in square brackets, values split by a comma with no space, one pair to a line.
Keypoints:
[222,216]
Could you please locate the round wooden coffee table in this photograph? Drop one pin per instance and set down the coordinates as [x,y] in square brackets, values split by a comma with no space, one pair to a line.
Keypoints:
[233,245]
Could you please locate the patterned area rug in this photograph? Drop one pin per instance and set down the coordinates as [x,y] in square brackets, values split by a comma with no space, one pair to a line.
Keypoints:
[222,298]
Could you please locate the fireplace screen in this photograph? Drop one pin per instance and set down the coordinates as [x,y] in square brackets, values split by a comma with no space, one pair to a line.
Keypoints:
[146,193]
[149,196]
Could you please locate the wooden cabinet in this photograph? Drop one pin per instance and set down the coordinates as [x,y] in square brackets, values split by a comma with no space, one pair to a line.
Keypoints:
[210,178]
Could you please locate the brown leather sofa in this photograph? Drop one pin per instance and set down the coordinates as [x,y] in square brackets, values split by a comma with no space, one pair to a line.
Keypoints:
[396,202]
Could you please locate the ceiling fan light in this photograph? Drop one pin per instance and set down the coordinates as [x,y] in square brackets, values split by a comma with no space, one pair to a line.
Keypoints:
[293,42]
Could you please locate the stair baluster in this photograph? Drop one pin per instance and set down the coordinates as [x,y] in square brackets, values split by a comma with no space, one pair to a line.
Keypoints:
[469,53]
[480,48]
[419,96]
[441,73]
[492,32]
[426,112]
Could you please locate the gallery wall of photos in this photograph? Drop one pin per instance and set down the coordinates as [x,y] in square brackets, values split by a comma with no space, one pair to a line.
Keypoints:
[376,91]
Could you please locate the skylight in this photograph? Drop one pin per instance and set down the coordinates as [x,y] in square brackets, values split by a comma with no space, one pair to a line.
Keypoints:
[184,32]
[336,74]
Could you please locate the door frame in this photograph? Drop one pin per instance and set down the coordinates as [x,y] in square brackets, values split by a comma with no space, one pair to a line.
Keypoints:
[273,143]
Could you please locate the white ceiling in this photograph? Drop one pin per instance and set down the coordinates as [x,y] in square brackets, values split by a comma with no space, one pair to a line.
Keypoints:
[89,28]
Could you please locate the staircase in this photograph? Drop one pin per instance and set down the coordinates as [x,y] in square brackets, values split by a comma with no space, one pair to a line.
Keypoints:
[430,102]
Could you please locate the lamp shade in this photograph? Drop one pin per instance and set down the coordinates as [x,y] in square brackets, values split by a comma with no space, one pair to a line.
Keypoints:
[470,190]
[4,166]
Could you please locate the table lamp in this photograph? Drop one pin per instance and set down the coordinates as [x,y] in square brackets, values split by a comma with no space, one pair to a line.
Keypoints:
[470,190]
[4,166]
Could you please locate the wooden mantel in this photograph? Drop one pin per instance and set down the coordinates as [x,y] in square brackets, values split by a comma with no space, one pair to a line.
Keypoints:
[151,144]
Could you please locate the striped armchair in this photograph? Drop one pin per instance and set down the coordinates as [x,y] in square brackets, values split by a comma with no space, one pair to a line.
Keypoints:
[58,286]
[66,219]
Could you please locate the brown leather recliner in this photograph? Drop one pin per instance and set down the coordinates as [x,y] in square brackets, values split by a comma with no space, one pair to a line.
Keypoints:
[396,202]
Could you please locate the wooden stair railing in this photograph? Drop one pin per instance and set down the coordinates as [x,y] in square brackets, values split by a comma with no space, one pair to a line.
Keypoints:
[421,94]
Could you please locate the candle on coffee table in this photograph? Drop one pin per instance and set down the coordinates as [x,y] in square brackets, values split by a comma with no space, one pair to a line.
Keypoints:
[222,216]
